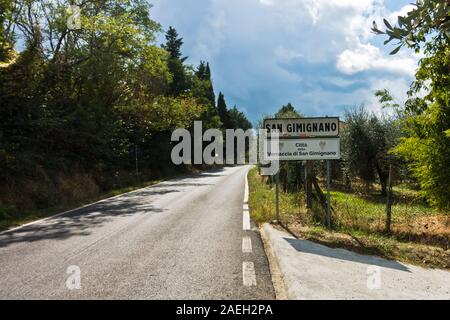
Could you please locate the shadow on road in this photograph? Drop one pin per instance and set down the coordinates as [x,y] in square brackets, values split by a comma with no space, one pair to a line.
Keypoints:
[342,254]
[82,221]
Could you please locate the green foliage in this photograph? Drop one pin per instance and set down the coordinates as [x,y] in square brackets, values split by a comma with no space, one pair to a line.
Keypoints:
[173,45]
[428,17]
[427,144]
[223,111]
[5,37]
[91,101]
[231,118]
[21,112]
[202,87]
[366,141]
[261,199]
[419,232]
[238,120]
[287,111]
[291,172]
[426,120]
[180,83]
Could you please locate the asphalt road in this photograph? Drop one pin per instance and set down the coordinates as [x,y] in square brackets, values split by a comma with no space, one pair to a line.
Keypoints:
[180,239]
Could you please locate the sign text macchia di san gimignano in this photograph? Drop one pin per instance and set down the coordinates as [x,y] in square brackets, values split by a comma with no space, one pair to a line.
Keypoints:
[306,149]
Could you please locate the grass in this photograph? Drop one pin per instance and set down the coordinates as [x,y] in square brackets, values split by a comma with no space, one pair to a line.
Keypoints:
[420,235]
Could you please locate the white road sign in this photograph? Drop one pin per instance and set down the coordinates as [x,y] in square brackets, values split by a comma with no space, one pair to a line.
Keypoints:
[305,149]
[303,127]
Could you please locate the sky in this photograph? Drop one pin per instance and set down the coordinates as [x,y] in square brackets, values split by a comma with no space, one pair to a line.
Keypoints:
[320,55]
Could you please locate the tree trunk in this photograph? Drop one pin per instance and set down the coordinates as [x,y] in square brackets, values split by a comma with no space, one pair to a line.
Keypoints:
[389,202]
[382,180]
[309,180]
[348,182]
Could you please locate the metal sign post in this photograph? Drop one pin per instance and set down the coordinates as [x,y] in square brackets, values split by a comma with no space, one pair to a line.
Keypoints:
[328,194]
[277,195]
[306,139]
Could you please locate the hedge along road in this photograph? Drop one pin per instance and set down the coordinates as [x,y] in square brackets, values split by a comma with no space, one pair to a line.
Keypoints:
[180,239]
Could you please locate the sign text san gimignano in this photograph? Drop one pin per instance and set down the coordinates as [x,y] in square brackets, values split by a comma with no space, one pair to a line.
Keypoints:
[304,139]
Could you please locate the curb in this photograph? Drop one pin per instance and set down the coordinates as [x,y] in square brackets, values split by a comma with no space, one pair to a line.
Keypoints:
[274,252]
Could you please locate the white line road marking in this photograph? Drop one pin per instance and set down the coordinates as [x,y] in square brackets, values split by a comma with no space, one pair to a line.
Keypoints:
[248,274]
[246,220]
[246,190]
[246,245]
[248,268]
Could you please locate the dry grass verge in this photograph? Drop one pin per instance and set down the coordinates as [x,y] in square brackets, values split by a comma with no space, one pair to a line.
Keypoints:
[420,235]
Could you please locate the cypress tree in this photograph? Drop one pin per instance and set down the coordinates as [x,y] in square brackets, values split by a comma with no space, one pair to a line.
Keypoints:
[208,72]
[175,62]
[210,94]
[201,71]
[173,44]
[223,112]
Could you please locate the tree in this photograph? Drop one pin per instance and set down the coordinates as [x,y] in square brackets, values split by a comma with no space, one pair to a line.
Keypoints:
[203,86]
[429,17]
[173,45]
[5,41]
[223,111]
[290,171]
[366,142]
[62,97]
[238,120]
[287,111]
[426,120]
[201,71]
[426,145]
[21,112]
[91,101]
[175,62]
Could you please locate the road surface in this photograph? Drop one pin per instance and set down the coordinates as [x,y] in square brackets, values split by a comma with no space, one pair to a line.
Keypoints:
[180,239]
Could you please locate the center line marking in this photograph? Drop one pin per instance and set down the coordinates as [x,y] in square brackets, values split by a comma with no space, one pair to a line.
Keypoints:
[246,189]
[246,220]
[248,274]
[246,245]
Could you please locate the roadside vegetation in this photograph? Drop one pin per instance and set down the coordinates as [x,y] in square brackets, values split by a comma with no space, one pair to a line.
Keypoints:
[420,234]
[391,189]
[88,109]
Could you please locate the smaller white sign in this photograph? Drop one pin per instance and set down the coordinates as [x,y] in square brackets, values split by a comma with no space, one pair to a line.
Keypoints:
[305,149]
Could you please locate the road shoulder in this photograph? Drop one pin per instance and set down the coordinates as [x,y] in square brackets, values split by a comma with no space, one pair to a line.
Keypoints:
[313,271]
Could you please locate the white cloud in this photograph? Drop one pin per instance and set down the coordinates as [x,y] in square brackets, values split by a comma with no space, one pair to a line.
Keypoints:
[397,87]
[288,50]
[393,17]
[266,2]
[368,57]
